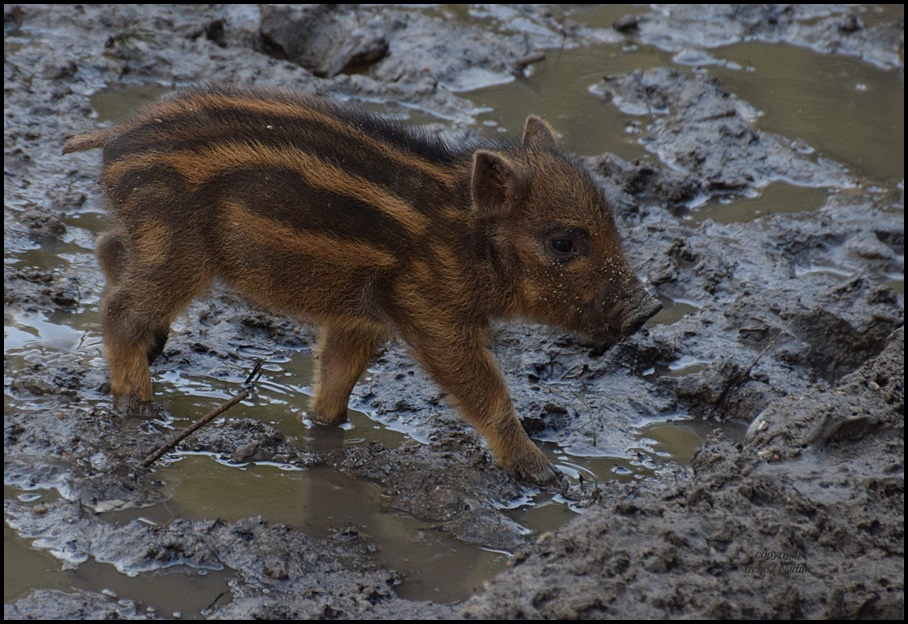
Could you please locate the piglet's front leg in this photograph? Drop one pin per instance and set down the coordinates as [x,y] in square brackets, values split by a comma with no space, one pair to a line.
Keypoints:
[343,354]
[465,368]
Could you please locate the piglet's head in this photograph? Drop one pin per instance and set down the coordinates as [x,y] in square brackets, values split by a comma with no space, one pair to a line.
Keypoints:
[554,237]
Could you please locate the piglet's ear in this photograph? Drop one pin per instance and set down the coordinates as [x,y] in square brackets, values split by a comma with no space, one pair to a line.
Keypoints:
[495,183]
[538,134]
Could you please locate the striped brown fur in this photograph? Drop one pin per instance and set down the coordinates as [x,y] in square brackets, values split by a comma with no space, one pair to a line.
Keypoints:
[365,226]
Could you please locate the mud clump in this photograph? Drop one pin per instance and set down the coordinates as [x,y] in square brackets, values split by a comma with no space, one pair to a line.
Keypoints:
[691,31]
[724,153]
[795,522]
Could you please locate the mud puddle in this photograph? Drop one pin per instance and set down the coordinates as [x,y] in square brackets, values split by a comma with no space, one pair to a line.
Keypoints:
[181,593]
[324,504]
[850,112]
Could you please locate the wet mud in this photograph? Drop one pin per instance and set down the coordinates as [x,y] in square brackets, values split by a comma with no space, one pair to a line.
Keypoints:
[781,342]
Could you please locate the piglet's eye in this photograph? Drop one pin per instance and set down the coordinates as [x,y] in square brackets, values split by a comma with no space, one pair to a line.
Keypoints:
[562,246]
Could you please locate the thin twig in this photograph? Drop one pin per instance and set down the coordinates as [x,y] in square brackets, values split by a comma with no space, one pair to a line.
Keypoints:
[529,59]
[248,389]
[741,377]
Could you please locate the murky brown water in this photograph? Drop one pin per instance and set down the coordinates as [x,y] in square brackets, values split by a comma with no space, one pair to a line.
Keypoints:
[842,108]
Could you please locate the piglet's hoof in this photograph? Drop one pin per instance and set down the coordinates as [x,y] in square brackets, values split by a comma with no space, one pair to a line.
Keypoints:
[544,476]
[537,471]
[134,407]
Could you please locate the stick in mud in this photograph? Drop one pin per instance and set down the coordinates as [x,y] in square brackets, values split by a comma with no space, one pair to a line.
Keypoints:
[248,389]
[739,379]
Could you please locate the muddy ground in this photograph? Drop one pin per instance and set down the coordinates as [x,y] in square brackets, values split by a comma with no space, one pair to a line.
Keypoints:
[803,518]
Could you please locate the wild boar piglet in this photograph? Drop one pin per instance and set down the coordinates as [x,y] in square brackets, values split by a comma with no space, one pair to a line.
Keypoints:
[365,226]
